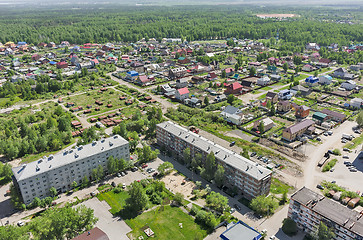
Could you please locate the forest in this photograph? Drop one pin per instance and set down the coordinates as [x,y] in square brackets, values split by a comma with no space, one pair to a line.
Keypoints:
[129,24]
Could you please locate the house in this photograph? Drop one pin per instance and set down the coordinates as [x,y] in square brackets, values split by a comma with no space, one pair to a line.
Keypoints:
[285,94]
[325,79]
[254,64]
[177,72]
[267,123]
[74,60]
[62,64]
[247,84]
[311,81]
[240,230]
[231,61]
[229,72]
[94,62]
[183,60]
[138,66]
[295,131]
[312,47]
[93,234]
[343,74]
[302,111]
[335,116]
[232,115]
[320,117]
[132,75]
[212,76]
[357,67]
[356,103]
[283,106]
[314,57]
[35,57]
[308,68]
[272,97]
[324,62]
[275,77]
[220,98]
[348,85]
[193,102]
[142,80]
[181,83]
[301,90]
[233,88]
[182,94]
[263,81]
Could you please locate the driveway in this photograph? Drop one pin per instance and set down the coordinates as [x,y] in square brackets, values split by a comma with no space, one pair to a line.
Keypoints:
[114,227]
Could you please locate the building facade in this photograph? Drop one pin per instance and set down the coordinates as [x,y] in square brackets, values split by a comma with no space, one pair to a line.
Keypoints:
[59,171]
[250,178]
[308,208]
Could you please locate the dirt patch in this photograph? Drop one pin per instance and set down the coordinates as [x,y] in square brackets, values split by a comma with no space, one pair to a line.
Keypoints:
[289,152]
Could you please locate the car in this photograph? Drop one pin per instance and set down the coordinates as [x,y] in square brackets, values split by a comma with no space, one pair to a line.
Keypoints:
[345,156]
[344,141]
[123,174]
[264,231]
[353,170]
[155,174]
[134,169]
[144,165]
[329,133]
[237,207]
[330,151]
[318,139]
[147,170]
[259,157]
[124,185]
[20,223]
[232,210]
[333,181]
[349,164]
[93,194]
[357,131]
[274,135]
[113,184]
[277,165]
[346,162]
[118,174]
[152,170]
[346,149]
[332,169]
[253,154]
[320,187]
[232,143]
[325,134]
[272,237]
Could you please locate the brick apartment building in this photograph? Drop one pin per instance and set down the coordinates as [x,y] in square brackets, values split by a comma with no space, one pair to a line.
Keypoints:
[250,178]
[308,208]
[36,178]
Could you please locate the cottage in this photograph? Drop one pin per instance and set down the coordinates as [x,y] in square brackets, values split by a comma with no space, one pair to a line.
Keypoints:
[220,98]
[319,117]
[231,61]
[267,123]
[94,234]
[324,62]
[182,94]
[298,89]
[272,97]
[177,72]
[263,81]
[62,64]
[35,57]
[275,77]
[212,76]
[285,94]
[343,74]
[297,130]
[232,115]
[325,79]
[308,68]
[312,47]
[233,88]
[356,103]
[193,102]
[335,116]
[283,106]
[302,111]
[229,72]
[349,85]
[311,81]
[181,83]
[183,60]
[142,80]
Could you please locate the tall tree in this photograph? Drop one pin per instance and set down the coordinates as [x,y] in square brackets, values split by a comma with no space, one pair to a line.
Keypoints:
[138,198]
[187,156]
[219,175]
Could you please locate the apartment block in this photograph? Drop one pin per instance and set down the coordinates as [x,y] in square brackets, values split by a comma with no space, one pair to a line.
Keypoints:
[60,170]
[308,208]
[250,178]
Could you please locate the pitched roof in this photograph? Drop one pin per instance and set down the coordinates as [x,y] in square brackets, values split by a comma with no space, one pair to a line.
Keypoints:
[93,234]
[235,86]
[183,91]
[298,126]
[271,94]
[143,78]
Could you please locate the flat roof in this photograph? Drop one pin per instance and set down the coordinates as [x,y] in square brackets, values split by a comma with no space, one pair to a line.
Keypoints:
[240,231]
[65,157]
[330,209]
[227,156]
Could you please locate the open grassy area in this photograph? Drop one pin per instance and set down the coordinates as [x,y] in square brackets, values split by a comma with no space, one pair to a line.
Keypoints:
[117,201]
[355,142]
[164,222]
[279,187]
[266,88]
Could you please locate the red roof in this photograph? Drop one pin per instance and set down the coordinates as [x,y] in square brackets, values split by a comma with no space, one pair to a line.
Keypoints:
[235,86]
[95,60]
[228,70]
[143,79]
[183,91]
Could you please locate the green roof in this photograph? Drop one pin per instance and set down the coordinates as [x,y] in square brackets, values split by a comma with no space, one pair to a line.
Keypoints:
[319,115]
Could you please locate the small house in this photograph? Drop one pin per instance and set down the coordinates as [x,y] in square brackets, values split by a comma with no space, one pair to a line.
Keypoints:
[356,103]
[311,81]
[181,83]
[325,79]
[193,102]
[233,88]
[132,75]
[319,117]
[348,85]
[142,80]
[343,74]
[285,94]
[182,94]
[308,68]
[267,124]
[232,115]
[283,106]
[302,111]
[272,97]
[263,81]
[62,65]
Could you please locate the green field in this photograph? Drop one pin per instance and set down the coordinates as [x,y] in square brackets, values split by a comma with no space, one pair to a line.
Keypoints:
[117,201]
[164,222]
[279,187]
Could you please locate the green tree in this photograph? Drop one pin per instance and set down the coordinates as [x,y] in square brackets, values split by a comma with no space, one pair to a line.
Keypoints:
[100,172]
[323,233]
[272,110]
[138,198]
[74,184]
[359,119]
[85,181]
[315,73]
[268,104]
[217,201]
[261,127]
[53,192]
[263,205]
[206,101]
[285,66]
[165,167]
[230,98]
[187,157]
[210,165]
[223,75]
[219,175]
[252,71]
[178,198]
[289,227]
[111,165]
[147,155]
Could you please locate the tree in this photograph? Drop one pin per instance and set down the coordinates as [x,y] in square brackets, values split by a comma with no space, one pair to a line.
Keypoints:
[210,164]
[100,172]
[94,174]
[263,205]
[284,198]
[85,181]
[315,73]
[74,184]
[261,127]
[147,155]
[138,198]
[187,156]
[53,192]
[285,66]
[252,71]
[6,171]
[230,99]
[272,110]
[268,104]
[323,233]
[120,130]
[289,227]
[165,168]
[245,153]
[111,165]
[223,75]
[206,101]
[217,201]
[359,119]
[219,175]
[178,198]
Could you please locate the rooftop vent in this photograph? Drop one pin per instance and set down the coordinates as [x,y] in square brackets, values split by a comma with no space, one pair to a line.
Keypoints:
[110,143]
[94,143]
[102,140]
[37,168]
[40,161]
[70,151]
[116,136]
[50,166]
[76,155]
[102,148]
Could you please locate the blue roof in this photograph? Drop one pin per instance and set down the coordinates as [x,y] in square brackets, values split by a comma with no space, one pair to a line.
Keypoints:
[328,77]
[311,79]
[52,62]
[21,43]
[133,73]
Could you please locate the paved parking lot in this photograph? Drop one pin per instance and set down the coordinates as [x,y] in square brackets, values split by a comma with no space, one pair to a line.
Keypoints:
[114,227]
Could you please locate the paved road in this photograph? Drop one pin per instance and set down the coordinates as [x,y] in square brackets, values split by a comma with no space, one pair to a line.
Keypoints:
[114,227]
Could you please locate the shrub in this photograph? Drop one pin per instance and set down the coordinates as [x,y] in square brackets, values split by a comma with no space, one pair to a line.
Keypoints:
[289,227]
[194,211]
[337,152]
[330,165]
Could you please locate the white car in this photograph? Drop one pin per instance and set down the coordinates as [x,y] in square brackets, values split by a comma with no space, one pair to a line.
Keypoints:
[124,185]
[272,237]
[345,156]
[21,223]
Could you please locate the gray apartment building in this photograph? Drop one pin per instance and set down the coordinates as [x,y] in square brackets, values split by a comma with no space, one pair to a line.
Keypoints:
[60,170]
[250,178]
[308,208]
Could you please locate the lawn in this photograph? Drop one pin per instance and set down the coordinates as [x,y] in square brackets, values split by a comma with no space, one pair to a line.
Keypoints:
[116,200]
[164,222]
[266,88]
[279,187]
[355,142]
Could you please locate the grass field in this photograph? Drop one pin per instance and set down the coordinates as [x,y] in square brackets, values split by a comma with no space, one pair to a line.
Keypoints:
[164,222]
[117,201]
[355,142]
[279,187]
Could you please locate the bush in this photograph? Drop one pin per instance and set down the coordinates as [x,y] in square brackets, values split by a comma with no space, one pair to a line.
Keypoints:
[156,199]
[330,165]
[337,152]
[194,211]
[289,227]
[117,189]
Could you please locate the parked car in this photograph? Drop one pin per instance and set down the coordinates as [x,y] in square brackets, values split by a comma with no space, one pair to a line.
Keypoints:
[144,165]
[155,174]
[332,169]
[346,162]
[318,139]
[118,174]
[134,169]
[113,184]
[259,157]
[325,134]
[232,143]
[232,210]
[344,141]
[272,237]
[329,133]
[253,154]
[333,181]
[122,174]
[20,223]
[124,185]
[320,187]
[353,170]
[345,156]
[346,149]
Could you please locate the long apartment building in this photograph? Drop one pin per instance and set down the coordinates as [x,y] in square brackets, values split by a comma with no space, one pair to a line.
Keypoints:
[249,177]
[308,208]
[60,170]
